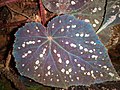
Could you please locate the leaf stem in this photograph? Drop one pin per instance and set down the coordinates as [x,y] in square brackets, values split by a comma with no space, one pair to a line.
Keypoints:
[42,12]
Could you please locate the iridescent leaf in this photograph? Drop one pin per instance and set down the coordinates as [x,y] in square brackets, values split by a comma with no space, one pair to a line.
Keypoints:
[66,53]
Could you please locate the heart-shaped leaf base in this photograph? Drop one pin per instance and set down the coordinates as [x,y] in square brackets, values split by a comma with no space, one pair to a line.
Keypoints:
[66,53]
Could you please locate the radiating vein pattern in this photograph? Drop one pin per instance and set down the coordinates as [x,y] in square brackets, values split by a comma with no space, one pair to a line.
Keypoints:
[66,53]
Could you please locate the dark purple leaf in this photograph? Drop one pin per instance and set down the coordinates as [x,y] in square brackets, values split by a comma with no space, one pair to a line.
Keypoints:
[112,17]
[66,53]
[91,11]
[64,6]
